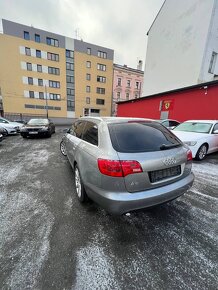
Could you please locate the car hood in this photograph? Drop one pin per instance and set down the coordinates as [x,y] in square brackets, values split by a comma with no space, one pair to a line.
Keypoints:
[189,136]
[15,124]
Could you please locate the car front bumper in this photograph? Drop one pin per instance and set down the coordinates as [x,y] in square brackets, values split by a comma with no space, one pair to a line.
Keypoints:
[122,202]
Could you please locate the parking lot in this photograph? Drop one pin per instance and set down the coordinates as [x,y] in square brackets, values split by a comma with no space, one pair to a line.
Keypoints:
[48,240]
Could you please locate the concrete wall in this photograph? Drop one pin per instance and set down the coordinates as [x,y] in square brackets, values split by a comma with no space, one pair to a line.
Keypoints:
[212,46]
[176,45]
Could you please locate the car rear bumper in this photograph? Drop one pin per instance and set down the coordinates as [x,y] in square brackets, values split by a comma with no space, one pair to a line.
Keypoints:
[122,202]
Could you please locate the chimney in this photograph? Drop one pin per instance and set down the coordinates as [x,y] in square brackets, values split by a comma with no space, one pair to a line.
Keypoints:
[139,66]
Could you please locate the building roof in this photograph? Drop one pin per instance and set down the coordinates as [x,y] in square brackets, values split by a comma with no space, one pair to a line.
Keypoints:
[200,86]
[128,69]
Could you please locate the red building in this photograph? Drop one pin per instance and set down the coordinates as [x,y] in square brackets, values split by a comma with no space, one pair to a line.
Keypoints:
[195,102]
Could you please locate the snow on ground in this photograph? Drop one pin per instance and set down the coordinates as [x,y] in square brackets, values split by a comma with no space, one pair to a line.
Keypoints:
[26,222]
[181,245]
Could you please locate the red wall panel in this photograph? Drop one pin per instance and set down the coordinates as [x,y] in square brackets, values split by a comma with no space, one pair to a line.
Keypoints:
[196,103]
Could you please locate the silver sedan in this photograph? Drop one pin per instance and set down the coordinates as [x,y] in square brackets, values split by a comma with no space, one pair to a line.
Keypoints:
[125,164]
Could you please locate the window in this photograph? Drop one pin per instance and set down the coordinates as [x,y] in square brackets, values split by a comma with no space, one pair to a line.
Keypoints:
[77,129]
[69,53]
[52,41]
[100,101]
[88,89]
[90,133]
[27,51]
[128,83]
[70,105]
[87,100]
[54,84]
[28,66]
[54,96]
[38,53]
[137,85]
[39,68]
[136,96]
[88,50]
[30,81]
[100,91]
[37,38]
[149,135]
[215,128]
[70,79]
[41,95]
[101,79]
[40,82]
[119,83]
[52,56]
[53,70]
[127,96]
[118,96]
[70,91]
[69,66]
[31,94]
[26,35]
[88,64]
[101,67]
[88,77]
[102,54]
[212,62]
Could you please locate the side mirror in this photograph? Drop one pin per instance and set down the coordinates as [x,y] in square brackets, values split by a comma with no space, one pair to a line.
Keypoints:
[215,132]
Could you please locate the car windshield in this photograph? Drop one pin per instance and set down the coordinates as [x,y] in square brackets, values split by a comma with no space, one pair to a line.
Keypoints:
[195,127]
[38,122]
[141,137]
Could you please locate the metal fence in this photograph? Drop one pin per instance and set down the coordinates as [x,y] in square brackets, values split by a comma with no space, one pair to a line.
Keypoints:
[27,117]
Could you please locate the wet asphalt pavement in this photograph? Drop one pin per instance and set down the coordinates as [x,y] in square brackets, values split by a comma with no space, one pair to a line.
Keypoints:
[48,240]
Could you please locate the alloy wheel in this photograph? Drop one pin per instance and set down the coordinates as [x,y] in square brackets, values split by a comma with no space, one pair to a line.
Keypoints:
[78,182]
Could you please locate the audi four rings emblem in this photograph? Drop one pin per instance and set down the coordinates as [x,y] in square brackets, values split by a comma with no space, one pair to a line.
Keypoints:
[169,161]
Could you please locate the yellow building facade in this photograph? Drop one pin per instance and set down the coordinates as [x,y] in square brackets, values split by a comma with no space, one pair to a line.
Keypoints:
[42,72]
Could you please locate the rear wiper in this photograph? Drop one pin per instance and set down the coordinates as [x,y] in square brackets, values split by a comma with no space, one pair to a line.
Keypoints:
[165,147]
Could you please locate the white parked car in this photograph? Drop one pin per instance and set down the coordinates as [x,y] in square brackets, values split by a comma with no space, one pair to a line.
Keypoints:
[200,135]
[10,127]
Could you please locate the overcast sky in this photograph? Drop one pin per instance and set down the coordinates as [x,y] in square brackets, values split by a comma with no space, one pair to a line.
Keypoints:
[117,24]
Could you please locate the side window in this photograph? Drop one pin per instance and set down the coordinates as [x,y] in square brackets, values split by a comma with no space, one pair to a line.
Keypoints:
[173,123]
[91,133]
[77,129]
[215,127]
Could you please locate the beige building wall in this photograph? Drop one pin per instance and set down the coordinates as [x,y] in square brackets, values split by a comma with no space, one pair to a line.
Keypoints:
[13,75]
[81,95]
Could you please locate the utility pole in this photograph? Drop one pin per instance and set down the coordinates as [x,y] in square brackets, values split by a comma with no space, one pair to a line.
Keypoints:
[46,101]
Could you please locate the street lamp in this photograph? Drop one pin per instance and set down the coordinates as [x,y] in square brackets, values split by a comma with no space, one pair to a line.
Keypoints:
[46,101]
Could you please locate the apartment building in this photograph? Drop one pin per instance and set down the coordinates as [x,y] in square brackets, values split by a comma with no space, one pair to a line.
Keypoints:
[127,84]
[43,72]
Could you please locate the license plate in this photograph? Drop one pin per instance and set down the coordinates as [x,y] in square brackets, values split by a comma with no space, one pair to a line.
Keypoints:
[33,133]
[160,175]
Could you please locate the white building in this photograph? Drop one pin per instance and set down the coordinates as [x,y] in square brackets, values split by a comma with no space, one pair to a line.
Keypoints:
[182,47]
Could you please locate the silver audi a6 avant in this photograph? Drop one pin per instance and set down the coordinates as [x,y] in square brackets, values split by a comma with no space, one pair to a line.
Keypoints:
[125,164]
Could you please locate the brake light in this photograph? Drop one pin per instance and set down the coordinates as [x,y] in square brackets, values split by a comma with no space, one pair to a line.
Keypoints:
[189,155]
[119,168]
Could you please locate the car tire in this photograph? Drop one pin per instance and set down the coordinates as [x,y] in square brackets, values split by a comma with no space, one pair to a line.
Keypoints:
[202,152]
[63,148]
[79,187]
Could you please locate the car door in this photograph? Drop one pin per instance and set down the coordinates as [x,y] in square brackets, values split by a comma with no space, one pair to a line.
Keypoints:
[73,139]
[214,139]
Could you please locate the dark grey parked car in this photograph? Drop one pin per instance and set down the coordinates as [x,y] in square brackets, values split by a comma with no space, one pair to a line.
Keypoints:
[126,164]
[38,127]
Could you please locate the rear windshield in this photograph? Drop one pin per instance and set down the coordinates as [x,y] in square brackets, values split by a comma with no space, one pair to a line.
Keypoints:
[141,137]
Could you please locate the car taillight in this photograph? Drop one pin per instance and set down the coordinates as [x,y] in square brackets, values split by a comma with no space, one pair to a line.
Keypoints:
[119,168]
[189,155]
